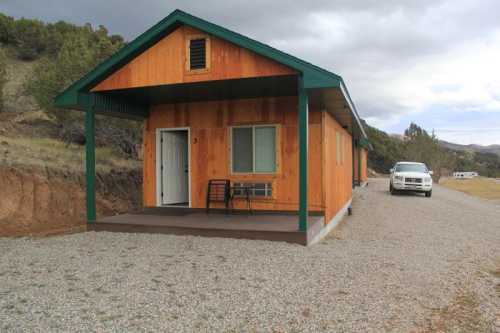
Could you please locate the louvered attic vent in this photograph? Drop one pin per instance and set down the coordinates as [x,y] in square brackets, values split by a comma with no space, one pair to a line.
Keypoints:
[197,54]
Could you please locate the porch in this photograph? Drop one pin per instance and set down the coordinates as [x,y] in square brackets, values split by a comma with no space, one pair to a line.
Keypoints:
[179,221]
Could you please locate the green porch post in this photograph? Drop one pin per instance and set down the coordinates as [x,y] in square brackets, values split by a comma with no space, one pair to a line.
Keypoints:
[303,154]
[90,160]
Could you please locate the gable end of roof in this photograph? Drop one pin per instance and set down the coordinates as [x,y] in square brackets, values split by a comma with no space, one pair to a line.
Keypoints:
[314,76]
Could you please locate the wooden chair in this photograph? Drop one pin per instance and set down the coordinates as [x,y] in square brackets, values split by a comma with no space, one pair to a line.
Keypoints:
[219,190]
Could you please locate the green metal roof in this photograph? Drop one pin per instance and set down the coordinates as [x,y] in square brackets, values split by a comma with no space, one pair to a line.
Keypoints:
[77,95]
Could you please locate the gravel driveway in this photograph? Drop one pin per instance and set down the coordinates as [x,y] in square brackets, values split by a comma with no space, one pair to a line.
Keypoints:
[400,263]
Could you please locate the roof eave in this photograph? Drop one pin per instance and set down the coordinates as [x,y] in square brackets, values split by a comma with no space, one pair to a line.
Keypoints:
[351,105]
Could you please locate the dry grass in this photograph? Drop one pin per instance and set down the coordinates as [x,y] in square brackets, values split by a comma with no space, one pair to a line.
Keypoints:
[16,100]
[55,155]
[487,188]
[462,315]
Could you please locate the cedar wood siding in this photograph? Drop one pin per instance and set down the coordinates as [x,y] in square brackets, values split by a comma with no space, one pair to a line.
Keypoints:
[330,182]
[338,172]
[166,63]
[210,124]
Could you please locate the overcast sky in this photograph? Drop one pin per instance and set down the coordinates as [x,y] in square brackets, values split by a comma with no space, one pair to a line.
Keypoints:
[435,62]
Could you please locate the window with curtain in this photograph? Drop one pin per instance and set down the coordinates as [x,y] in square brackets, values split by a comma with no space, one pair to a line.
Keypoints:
[254,149]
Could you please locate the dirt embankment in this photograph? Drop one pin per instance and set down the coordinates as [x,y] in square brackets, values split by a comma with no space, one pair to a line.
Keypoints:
[40,202]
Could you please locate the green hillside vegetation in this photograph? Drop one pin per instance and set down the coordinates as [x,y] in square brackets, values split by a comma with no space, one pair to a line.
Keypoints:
[65,52]
[420,146]
[37,61]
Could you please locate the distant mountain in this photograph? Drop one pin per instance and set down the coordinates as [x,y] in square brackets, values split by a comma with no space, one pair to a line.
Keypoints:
[494,149]
[390,148]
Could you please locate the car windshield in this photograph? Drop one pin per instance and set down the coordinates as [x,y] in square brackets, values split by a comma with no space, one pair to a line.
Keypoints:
[411,168]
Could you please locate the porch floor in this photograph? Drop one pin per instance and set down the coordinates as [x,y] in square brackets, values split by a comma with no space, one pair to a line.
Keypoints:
[273,227]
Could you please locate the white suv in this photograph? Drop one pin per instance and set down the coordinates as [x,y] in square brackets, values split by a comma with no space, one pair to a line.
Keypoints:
[411,176]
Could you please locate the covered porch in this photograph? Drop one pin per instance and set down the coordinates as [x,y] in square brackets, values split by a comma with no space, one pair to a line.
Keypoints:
[301,226]
[137,103]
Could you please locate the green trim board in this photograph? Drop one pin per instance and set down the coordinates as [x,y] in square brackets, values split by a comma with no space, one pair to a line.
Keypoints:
[303,128]
[365,143]
[90,162]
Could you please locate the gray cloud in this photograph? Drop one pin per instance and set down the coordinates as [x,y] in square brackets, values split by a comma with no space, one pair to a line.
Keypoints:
[377,46]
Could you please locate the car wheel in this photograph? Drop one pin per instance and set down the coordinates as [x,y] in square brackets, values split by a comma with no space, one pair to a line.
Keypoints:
[391,189]
[428,194]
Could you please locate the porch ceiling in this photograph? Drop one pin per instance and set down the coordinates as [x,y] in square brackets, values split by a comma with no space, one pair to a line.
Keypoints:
[274,86]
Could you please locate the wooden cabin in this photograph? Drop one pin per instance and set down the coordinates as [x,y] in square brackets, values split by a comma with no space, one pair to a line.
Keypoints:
[217,105]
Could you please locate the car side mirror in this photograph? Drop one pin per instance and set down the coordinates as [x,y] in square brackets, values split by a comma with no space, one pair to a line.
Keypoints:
[391,170]
[431,173]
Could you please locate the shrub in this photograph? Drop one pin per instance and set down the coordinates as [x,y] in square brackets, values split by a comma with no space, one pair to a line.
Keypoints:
[30,38]
[7,35]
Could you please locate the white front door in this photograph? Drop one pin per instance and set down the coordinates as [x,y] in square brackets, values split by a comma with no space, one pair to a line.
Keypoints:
[174,167]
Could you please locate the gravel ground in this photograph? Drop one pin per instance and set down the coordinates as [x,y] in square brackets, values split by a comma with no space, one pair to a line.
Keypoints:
[400,263]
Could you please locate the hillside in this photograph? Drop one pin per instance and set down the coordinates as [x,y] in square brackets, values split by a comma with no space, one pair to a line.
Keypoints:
[443,157]
[31,136]
[492,149]
[42,182]
[17,73]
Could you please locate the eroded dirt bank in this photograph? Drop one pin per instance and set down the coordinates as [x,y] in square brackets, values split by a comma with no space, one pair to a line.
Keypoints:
[39,202]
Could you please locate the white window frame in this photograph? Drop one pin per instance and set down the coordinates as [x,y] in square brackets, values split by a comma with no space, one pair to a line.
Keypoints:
[253,127]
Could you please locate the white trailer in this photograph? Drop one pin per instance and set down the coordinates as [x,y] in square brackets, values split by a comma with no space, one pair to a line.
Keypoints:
[465,174]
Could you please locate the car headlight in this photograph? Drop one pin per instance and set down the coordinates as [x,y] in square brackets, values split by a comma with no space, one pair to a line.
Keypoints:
[398,178]
[428,180]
